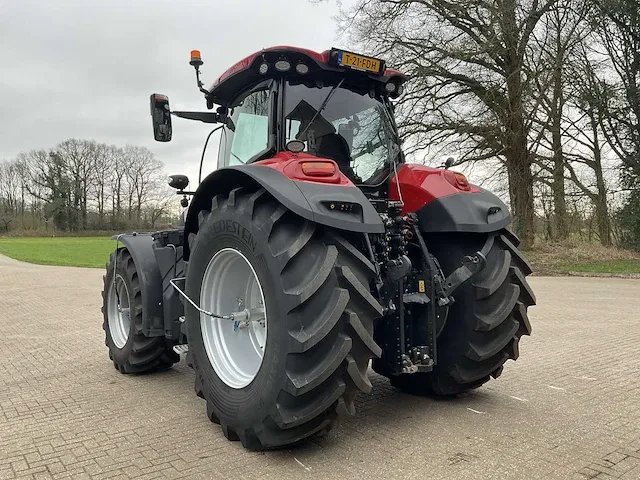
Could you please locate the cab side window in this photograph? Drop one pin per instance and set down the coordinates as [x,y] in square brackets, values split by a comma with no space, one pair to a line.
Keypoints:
[248,132]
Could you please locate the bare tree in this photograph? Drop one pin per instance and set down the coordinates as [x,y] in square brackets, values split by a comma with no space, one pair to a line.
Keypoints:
[469,88]
[78,158]
[553,55]
[144,175]
[79,184]
[10,194]
[617,27]
[118,179]
[102,164]
[588,146]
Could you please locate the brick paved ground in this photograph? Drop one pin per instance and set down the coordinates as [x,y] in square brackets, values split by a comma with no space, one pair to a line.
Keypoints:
[569,408]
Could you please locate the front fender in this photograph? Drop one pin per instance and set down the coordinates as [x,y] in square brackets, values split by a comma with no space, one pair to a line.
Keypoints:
[140,246]
[310,200]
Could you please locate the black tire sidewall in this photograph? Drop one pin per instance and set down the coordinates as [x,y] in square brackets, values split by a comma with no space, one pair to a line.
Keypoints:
[460,317]
[249,405]
[120,355]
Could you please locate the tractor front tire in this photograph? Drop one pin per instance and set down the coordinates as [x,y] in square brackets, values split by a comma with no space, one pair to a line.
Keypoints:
[318,323]
[487,319]
[129,349]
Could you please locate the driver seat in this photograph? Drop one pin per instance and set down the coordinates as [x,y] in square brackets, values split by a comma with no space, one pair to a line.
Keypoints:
[335,147]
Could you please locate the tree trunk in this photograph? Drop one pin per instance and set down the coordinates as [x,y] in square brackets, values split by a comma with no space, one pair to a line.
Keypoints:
[517,152]
[519,164]
[101,205]
[85,190]
[602,210]
[559,203]
[521,193]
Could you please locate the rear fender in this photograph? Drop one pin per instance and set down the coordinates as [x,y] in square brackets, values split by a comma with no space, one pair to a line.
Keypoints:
[140,246]
[442,206]
[310,200]
[480,212]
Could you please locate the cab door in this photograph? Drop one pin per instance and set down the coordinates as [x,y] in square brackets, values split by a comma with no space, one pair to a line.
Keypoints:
[248,135]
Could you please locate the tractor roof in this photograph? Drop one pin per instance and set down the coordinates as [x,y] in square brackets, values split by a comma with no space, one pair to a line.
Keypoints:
[321,66]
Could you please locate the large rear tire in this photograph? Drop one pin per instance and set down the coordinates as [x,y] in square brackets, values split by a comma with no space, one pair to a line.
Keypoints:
[319,322]
[487,319]
[129,349]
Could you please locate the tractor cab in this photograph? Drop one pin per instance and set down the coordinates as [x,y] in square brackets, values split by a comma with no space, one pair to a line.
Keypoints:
[285,102]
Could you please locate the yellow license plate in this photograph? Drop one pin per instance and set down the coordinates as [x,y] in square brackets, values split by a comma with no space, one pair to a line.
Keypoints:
[359,62]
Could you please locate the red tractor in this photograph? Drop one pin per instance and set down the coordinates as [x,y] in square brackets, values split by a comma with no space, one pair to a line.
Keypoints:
[313,249]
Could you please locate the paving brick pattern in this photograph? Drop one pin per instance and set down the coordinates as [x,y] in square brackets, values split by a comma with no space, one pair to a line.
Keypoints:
[569,408]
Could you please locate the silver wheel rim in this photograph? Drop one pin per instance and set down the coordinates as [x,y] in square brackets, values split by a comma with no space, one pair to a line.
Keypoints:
[235,348]
[119,315]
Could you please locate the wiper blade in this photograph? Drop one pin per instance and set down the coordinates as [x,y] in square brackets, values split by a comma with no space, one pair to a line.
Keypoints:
[322,107]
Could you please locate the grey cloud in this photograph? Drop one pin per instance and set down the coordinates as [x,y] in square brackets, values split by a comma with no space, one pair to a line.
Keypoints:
[86,69]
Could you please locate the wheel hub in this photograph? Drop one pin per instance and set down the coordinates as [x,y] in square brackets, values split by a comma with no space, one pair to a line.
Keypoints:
[235,348]
[119,311]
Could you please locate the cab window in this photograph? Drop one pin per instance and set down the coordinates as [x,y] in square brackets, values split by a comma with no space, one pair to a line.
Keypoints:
[247,134]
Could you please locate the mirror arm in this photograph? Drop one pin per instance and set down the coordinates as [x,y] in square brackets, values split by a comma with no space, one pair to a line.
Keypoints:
[205,117]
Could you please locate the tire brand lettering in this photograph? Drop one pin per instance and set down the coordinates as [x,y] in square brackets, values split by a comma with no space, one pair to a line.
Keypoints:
[231,226]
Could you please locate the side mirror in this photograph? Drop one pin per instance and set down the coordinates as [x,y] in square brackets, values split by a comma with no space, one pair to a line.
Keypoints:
[179,182]
[161,117]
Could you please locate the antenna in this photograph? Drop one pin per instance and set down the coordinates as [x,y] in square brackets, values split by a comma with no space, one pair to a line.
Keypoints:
[195,62]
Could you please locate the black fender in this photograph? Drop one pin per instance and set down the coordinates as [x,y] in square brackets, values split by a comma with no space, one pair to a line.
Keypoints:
[310,200]
[167,247]
[467,212]
[140,246]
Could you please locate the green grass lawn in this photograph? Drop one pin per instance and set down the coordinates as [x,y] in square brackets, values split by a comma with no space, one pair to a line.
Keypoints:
[71,251]
[94,252]
[605,266]
[561,259]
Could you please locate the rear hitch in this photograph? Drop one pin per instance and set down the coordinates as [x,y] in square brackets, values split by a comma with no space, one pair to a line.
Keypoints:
[418,360]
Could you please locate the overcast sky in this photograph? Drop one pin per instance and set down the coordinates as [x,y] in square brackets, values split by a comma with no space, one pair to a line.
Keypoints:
[85,69]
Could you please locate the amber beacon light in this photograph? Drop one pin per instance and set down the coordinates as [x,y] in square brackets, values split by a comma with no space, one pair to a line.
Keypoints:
[196,59]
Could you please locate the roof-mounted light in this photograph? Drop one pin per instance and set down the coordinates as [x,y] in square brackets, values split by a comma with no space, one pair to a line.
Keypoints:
[302,69]
[263,69]
[295,146]
[283,65]
[196,59]
[390,87]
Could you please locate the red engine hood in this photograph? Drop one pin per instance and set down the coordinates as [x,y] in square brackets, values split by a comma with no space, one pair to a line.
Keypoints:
[421,184]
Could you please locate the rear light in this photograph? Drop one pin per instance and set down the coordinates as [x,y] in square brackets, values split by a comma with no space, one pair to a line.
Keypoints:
[318,169]
[457,179]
